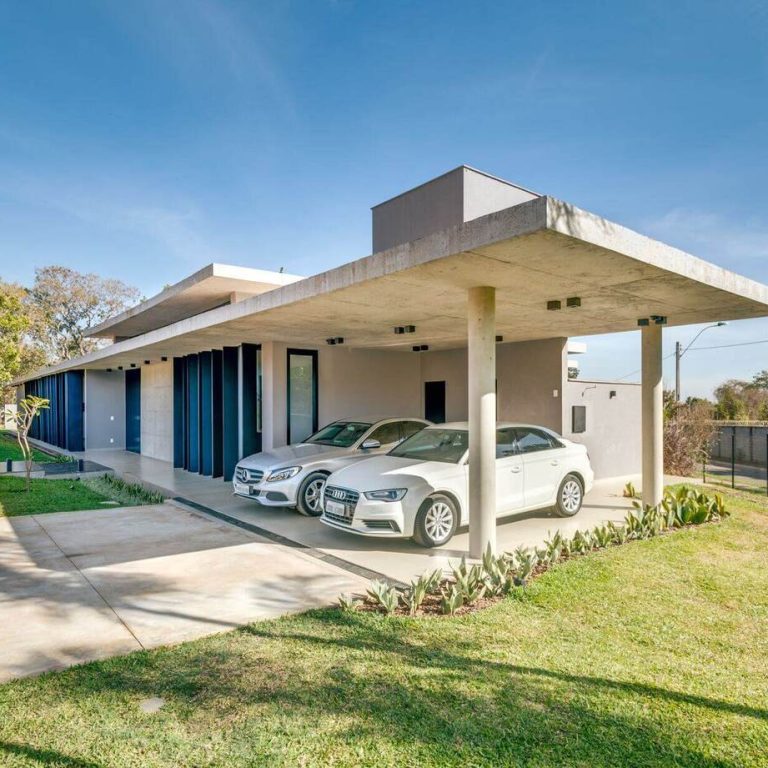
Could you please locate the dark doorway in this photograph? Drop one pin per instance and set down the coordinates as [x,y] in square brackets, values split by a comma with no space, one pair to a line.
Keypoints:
[434,401]
[133,410]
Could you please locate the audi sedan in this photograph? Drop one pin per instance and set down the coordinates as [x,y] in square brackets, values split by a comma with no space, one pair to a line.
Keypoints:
[294,476]
[420,488]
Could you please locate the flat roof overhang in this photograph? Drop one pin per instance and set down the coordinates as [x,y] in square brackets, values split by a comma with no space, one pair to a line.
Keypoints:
[532,253]
[208,288]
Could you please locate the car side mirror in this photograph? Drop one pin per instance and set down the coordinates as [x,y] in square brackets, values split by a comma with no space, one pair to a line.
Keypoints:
[369,444]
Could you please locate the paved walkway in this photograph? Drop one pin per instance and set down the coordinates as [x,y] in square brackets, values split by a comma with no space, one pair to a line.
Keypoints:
[78,586]
[398,560]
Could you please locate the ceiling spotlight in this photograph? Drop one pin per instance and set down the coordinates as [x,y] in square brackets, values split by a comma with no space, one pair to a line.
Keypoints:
[109,370]
[555,304]
[335,340]
[133,365]
[400,329]
[499,339]
[119,367]
[573,301]
[420,347]
[146,362]
[659,319]
[164,359]
[409,328]
[643,322]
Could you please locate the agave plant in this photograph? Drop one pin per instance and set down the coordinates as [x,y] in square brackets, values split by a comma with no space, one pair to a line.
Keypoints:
[348,603]
[384,596]
[414,596]
[451,600]
[524,563]
[618,533]
[602,536]
[498,573]
[630,492]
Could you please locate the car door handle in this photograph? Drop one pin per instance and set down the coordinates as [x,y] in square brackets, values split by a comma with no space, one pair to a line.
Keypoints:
[514,469]
[554,462]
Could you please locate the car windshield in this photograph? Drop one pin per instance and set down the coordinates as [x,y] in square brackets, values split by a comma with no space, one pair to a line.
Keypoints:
[447,445]
[341,434]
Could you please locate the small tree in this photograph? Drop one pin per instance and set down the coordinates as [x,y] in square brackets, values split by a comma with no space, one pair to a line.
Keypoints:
[29,408]
[688,433]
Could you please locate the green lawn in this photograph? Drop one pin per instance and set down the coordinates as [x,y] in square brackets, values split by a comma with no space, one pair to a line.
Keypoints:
[9,449]
[67,495]
[650,654]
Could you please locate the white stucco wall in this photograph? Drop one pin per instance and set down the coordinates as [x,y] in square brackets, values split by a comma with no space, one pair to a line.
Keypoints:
[157,411]
[104,409]
[613,435]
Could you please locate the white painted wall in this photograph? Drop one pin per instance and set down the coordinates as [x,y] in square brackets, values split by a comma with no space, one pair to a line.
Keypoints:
[613,436]
[157,411]
[104,409]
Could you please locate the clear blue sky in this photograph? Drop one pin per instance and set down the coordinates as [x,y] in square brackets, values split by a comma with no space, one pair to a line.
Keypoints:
[145,139]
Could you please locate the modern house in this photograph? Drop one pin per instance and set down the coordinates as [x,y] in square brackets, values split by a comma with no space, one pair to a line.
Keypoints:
[463,311]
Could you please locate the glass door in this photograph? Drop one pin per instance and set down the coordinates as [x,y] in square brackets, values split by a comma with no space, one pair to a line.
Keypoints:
[302,394]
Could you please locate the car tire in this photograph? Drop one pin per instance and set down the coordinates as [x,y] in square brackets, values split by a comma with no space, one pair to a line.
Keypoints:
[436,521]
[570,496]
[310,494]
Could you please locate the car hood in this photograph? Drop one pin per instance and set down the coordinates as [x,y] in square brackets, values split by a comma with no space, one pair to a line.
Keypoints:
[391,472]
[296,454]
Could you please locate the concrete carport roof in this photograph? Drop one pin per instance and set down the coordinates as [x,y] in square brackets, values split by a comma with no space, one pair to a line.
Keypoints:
[539,251]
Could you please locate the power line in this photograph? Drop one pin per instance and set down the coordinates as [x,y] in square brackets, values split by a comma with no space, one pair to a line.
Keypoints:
[726,346]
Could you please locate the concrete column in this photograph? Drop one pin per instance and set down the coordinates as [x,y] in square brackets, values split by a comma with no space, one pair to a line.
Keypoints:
[481,370]
[653,415]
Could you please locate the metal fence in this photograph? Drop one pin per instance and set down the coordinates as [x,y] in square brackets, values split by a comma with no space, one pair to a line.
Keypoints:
[738,456]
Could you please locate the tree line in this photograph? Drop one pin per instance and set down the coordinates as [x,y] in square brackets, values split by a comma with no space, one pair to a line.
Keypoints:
[47,322]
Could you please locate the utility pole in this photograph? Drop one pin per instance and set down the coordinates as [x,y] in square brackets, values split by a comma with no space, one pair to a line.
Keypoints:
[679,352]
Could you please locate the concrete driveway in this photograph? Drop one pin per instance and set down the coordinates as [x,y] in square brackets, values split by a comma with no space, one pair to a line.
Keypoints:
[78,586]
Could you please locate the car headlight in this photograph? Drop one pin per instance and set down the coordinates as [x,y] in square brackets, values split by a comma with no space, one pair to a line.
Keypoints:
[283,474]
[388,494]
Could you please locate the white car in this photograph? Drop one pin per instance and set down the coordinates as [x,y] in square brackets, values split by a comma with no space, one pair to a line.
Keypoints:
[294,476]
[420,488]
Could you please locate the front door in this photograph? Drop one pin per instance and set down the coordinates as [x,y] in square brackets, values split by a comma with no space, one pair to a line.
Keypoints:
[133,410]
[434,401]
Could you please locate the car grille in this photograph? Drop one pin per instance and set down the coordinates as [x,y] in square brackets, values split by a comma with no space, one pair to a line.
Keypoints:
[348,498]
[243,475]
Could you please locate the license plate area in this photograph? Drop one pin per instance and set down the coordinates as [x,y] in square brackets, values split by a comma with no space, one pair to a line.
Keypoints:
[336,508]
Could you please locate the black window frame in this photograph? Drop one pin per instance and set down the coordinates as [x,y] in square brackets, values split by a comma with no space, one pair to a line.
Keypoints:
[315,389]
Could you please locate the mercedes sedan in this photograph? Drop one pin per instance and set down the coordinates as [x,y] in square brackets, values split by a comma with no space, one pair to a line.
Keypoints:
[420,488]
[294,476]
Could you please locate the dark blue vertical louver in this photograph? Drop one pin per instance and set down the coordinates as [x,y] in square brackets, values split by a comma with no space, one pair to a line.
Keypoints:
[179,412]
[133,410]
[206,413]
[74,389]
[193,413]
[229,411]
[250,389]
[61,424]
[217,464]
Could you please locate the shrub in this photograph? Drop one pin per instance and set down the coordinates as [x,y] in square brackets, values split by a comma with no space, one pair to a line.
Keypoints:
[688,433]
[498,575]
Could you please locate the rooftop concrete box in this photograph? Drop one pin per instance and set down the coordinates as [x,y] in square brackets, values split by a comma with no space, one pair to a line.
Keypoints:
[454,198]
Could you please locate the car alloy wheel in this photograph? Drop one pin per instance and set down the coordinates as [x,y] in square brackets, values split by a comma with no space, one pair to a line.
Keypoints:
[439,521]
[569,497]
[311,494]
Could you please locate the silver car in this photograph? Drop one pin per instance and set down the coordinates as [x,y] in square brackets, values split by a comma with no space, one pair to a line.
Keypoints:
[294,476]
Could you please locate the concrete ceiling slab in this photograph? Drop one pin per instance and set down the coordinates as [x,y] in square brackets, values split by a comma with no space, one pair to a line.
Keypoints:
[532,253]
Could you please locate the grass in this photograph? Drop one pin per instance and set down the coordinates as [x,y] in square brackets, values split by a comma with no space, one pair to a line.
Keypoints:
[650,654]
[69,495]
[9,449]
